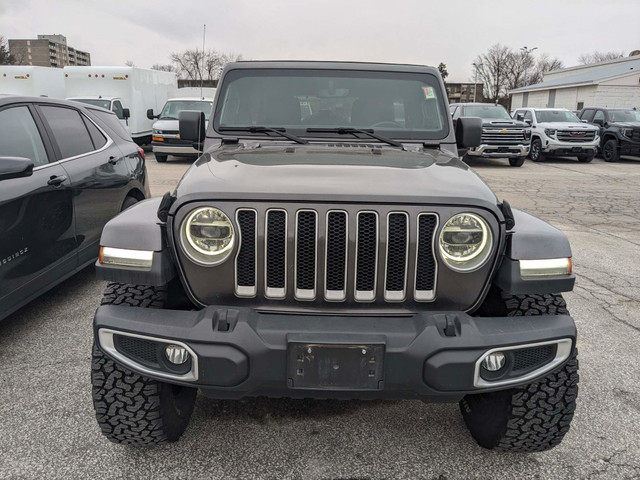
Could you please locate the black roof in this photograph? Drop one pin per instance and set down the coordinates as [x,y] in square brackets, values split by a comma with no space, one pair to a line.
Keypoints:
[6,99]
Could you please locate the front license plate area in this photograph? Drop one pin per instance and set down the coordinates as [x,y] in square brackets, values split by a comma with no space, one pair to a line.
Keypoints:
[335,367]
[577,149]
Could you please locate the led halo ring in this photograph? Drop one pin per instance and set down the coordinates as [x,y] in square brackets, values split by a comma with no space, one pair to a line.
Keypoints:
[196,252]
[477,258]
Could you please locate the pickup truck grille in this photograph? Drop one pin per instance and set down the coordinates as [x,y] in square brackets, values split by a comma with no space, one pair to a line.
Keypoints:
[322,264]
[576,136]
[506,136]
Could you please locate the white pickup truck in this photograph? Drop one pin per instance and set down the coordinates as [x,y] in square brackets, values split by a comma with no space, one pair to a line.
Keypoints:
[127,91]
[559,132]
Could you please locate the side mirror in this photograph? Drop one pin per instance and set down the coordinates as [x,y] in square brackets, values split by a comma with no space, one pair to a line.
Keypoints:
[15,167]
[528,121]
[599,122]
[520,117]
[191,124]
[150,114]
[126,113]
[468,132]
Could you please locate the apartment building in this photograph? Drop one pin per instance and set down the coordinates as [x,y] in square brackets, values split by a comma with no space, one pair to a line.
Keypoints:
[48,51]
[464,92]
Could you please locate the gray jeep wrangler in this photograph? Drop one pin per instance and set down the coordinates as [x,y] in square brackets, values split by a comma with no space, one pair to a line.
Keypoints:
[329,243]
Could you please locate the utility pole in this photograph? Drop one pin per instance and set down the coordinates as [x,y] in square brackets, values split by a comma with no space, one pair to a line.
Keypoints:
[204,33]
[475,79]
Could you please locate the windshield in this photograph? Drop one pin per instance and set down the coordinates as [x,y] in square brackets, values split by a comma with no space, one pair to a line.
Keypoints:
[556,116]
[624,115]
[174,107]
[95,102]
[393,104]
[487,112]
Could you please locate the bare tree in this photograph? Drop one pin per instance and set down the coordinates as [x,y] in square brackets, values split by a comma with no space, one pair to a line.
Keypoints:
[7,57]
[129,63]
[520,67]
[492,69]
[196,65]
[596,57]
[163,68]
[544,64]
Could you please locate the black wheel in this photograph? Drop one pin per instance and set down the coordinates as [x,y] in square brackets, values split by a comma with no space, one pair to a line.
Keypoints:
[534,417]
[585,158]
[161,158]
[535,152]
[128,202]
[516,161]
[610,151]
[133,409]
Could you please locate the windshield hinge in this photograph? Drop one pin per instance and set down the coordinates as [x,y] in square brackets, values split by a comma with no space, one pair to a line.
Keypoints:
[229,140]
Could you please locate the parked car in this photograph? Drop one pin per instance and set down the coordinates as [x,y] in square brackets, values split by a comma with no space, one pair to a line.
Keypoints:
[558,132]
[619,130]
[348,253]
[127,91]
[65,170]
[166,137]
[502,136]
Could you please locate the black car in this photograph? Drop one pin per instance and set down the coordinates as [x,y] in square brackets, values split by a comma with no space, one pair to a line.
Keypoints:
[66,169]
[619,130]
[337,251]
[502,136]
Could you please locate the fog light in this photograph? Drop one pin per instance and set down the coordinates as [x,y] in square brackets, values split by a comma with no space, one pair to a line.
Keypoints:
[176,354]
[494,361]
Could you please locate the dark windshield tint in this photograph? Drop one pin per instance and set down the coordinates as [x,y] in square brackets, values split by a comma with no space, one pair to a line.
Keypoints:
[173,108]
[394,104]
[95,102]
[624,115]
[487,112]
[556,116]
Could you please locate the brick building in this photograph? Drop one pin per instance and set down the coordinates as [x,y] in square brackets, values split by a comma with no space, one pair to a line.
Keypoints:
[464,92]
[47,51]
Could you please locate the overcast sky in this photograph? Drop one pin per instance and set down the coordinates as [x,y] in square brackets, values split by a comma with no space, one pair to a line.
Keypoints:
[402,31]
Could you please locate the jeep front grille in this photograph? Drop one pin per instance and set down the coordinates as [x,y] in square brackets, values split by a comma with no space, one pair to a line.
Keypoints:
[576,136]
[396,247]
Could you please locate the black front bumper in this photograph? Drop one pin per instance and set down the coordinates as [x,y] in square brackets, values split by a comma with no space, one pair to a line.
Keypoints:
[243,352]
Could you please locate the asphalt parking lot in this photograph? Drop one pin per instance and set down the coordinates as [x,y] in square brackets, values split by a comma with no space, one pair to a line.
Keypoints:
[47,427]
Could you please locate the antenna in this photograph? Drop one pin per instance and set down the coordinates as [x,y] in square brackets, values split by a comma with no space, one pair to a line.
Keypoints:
[204,33]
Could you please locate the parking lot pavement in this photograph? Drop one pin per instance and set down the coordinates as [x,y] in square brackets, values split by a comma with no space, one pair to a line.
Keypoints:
[47,428]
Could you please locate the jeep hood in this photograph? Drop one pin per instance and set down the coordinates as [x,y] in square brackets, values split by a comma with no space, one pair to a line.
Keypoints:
[334,173]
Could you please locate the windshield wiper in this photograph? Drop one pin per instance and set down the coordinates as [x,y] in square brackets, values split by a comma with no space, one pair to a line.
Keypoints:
[254,129]
[355,132]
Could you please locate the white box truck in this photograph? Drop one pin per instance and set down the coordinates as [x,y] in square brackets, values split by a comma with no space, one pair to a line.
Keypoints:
[127,91]
[31,81]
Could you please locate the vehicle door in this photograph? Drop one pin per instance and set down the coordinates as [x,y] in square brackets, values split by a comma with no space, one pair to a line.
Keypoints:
[37,240]
[97,169]
[118,109]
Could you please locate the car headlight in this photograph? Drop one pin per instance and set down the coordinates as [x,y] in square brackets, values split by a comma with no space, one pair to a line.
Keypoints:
[465,242]
[627,132]
[155,131]
[207,236]
[549,132]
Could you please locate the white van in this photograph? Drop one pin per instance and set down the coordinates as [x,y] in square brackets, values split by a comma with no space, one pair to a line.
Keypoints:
[127,91]
[31,81]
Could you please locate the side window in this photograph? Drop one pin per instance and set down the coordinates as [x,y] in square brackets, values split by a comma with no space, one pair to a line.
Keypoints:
[96,136]
[117,109]
[111,122]
[69,130]
[599,117]
[457,113]
[528,116]
[518,113]
[587,115]
[19,136]
[452,109]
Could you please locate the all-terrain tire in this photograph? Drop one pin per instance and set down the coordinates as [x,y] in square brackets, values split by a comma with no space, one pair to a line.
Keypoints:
[131,408]
[534,417]
[160,158]
[610,152]
[535,151]
[516,161]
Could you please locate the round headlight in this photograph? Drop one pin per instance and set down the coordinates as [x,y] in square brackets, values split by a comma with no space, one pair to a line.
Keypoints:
[207,235]
[465,242]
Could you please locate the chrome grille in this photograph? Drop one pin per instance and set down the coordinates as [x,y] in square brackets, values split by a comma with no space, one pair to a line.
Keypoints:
[576,136]
[503,136]
[337,255]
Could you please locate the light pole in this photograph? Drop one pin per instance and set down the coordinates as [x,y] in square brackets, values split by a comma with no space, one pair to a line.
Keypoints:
[475,79]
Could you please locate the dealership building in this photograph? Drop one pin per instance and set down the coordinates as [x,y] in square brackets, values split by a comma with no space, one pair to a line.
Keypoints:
[612,84]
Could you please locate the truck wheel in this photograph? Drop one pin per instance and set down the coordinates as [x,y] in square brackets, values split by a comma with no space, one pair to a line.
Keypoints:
[516,161]
[161,158]
[133,409]
[534,417]
[535,152]
[585,158]
[610,151]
